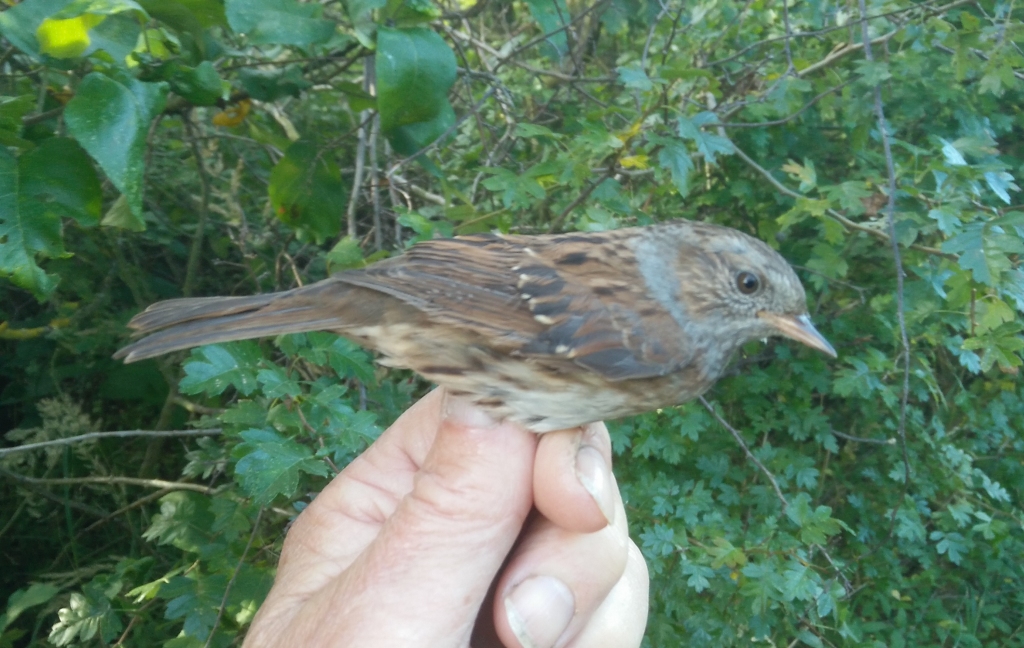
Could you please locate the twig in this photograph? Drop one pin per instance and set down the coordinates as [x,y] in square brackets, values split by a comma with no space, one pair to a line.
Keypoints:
[788,118]
[789,36]
[557,223]
[863,439]
[833,213]
[127,481]
[192,266]
[750,455]
[90,436]
[234,575]
[827,30]
[890,208]
[357,177]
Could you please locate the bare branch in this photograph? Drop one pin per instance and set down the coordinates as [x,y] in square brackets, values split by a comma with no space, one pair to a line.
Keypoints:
[750,455]
[92,436]
[890,220]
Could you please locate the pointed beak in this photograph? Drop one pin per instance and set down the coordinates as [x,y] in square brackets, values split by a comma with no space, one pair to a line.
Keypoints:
[799,328]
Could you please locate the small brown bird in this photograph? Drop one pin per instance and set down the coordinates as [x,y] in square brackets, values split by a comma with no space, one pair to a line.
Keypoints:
[549,331]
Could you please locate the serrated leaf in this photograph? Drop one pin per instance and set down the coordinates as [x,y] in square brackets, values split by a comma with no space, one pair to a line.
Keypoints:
[272,465]
[1001,183]
[634,77]
[952,155]
[674,157]
[215,367]
[708,144]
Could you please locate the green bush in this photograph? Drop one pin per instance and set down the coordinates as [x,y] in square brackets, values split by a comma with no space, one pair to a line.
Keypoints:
[165,148]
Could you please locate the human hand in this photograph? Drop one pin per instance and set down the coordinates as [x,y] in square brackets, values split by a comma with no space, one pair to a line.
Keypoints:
[427,539]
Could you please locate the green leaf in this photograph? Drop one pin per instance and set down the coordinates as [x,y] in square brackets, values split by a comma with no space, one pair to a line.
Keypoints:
[271,85]
[19,23]
[815,525]
[415,70]
[183,522]
[110,119]
[281,22]
[59,175]
[551,15]
[346,254]
[307,193]
[1001,183]
[535,130]
[88,615]
[120,216]
[272,465]
[277,383]
[708,144]
[201,85]
[951,545]
[674,157]
[634,77]
[23,599]
[873,72]
[195,600]
[53,181]
[408,13]
[215,367]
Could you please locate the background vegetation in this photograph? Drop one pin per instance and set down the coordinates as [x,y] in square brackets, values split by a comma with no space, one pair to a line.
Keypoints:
[160,148]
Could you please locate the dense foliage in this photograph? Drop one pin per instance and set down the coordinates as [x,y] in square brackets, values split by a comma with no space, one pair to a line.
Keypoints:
[159,148]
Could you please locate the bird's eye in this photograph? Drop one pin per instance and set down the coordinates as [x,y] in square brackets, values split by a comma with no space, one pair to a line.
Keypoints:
[748,283]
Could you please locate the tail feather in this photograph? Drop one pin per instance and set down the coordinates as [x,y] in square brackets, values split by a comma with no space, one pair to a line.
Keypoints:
[184,323]
[175,311]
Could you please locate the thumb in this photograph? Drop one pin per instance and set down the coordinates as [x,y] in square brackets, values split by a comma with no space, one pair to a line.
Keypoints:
[436,556]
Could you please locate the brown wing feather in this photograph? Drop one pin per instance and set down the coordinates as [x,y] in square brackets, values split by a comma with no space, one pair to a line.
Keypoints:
[575,296]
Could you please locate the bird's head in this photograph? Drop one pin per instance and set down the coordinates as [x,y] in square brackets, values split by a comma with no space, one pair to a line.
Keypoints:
[747,288]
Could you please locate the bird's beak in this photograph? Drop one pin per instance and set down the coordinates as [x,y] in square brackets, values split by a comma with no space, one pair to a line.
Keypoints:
[799,328]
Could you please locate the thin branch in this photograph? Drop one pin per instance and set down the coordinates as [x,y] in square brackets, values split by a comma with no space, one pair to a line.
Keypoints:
[127,481]
[863,439]
[890,208]
[789,36]
[821,32]
[789,118]
[192,266]
[849,224]
[557,223]
[234,575]
[378,223]
[91,436]
[750,455]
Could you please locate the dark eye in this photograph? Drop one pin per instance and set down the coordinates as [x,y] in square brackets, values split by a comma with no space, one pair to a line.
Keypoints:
[748,283]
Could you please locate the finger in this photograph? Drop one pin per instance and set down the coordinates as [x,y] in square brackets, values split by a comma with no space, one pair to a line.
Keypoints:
[348,514]
[620,620]
[453,529]
[572,478]
[557,579]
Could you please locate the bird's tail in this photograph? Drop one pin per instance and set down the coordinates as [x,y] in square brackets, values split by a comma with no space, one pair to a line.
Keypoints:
[184,323]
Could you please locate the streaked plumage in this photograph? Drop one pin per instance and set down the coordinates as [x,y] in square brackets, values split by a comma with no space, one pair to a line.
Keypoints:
[550,331]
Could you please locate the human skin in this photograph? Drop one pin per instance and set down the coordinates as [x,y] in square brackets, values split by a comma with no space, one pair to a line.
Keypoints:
[455,530]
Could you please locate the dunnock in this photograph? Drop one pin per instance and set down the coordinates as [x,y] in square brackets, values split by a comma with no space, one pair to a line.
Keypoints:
[549,331]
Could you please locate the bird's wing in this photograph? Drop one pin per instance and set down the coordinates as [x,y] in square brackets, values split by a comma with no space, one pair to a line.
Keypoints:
[579,297]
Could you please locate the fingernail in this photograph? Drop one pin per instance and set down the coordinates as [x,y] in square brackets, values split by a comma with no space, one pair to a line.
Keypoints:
[539,610]
[461,412]
[593,473]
